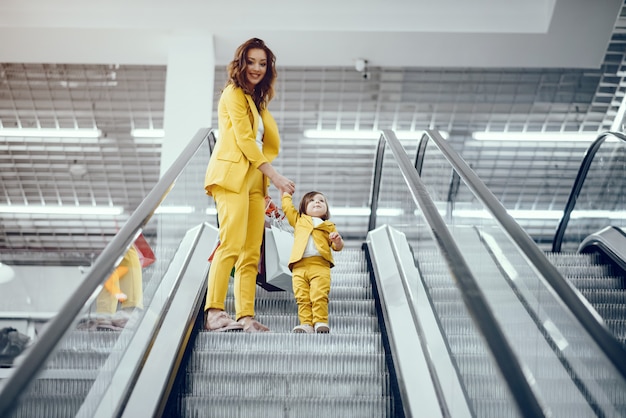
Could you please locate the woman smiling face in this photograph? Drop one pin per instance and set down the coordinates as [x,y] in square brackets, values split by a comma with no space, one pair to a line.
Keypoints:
[256,66]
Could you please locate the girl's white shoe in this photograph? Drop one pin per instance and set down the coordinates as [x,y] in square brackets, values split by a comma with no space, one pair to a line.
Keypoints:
[304,329]
[322,328]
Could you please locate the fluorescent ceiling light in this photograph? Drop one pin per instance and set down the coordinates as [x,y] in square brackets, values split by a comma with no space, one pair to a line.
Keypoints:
[62,210]
[50,133]
[211,211]
[540,214]
[174,209]
[535,136]
[147,133]
[364,211]
[360,134]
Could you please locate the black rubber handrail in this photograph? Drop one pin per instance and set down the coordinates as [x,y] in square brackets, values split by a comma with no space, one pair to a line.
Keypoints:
[484,319]
[571,297]
[37,355]
[583,170]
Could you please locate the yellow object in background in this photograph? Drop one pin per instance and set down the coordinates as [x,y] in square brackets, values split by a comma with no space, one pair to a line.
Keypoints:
[112,285]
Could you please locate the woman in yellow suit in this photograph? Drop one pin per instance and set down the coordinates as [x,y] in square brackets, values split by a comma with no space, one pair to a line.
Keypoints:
[237,177]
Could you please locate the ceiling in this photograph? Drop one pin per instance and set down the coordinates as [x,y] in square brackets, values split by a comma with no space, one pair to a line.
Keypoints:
[457,66]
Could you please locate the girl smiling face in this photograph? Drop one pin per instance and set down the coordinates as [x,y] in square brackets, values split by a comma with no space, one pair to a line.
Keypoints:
[317,206]
[256,66]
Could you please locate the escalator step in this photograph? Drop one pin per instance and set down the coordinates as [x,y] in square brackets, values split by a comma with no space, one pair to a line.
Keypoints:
[277,385]
[48,406]
[293,343]
[335,307]
[340,324]
[283,362]
[305,407]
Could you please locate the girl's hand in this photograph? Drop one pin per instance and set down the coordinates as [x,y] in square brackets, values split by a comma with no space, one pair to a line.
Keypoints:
[335,238]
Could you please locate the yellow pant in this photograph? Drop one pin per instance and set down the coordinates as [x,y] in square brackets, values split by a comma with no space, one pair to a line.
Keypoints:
[242,223]
[311,285]
[130,283]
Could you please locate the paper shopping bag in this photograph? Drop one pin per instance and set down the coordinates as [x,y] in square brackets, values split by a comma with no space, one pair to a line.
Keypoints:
[260,277]
[146,255]
[277,250]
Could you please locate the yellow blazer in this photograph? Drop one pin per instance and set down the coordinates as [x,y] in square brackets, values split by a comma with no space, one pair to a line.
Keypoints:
[303,228]
[236,148]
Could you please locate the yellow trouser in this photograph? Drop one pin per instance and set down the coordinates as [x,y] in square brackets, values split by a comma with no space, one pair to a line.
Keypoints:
[242,223]
[311,285]
[130,283]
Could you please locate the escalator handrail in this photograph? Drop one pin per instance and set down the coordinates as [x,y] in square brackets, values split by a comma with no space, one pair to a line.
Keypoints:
[611,241]
[570,296]
[36,356]
[475,301]
[583,170]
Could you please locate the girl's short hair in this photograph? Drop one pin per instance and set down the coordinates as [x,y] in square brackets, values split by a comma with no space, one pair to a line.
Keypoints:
[264,91]
[307,198]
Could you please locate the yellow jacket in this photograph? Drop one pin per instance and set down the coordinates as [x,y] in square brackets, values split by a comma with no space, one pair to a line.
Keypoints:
[303,228]
[236,148]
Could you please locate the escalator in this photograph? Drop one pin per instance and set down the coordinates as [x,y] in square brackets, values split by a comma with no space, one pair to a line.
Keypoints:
[435,316]
[282,374]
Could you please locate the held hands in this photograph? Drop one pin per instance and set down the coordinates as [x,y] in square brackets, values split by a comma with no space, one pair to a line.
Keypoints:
[283,184]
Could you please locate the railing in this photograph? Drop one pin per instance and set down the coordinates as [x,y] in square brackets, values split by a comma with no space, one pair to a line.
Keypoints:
[526,273]
[170,228]
[615,192]
[473,297]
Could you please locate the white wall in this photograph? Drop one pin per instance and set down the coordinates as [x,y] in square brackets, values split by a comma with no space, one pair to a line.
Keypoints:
[38,289]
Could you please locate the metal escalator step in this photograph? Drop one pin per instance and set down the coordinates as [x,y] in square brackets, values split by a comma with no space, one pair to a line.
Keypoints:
[610,311]
[64,359]
[60,387]
[282,374]
[340,324]
[335,307]
[90,340]
[282,362]
[602,282]
[283,385]
[605,296]
[48,406]
[291,343]
[305,407]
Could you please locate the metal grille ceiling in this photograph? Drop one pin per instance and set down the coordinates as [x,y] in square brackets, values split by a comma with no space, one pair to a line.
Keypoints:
[119,170]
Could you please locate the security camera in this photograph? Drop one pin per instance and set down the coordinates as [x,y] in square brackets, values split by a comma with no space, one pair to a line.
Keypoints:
[360,65]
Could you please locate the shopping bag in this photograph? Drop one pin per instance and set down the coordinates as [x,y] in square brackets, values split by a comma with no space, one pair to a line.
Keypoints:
[260,278]
[277,249]
[146,255]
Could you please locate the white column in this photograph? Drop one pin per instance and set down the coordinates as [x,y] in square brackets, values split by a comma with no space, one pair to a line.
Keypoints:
[188,93]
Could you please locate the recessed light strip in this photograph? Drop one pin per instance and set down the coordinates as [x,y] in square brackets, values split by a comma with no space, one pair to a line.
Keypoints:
[535,136]
[62,210]
[50,133]
[360,134]
[147,133]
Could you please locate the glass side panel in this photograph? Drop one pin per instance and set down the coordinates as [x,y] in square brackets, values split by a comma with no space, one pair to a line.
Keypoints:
[87,360]
[602,199]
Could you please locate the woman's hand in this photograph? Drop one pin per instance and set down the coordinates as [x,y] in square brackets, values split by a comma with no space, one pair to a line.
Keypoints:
[282,183]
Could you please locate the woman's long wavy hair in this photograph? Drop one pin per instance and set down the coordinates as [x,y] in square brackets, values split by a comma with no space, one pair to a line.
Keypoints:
[262,92]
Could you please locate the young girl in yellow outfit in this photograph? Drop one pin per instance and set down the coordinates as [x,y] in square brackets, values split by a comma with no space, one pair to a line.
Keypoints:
[311,259]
